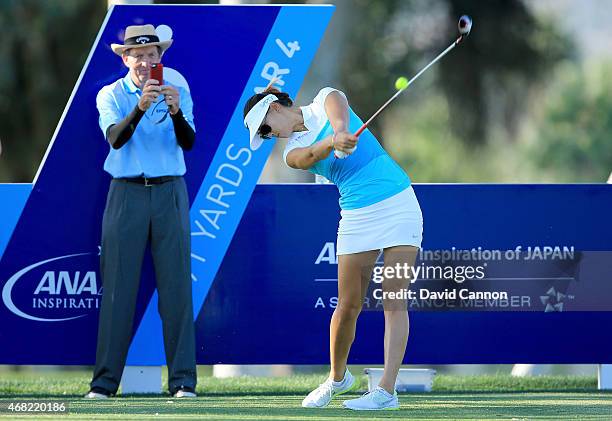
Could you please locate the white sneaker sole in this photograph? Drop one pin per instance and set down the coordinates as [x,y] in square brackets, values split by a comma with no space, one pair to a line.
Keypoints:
[387,408]
[94,396]
[183,394]
[392,407]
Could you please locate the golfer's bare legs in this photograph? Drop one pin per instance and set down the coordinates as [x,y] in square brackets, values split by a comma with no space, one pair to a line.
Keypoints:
[396,314]
[354,272]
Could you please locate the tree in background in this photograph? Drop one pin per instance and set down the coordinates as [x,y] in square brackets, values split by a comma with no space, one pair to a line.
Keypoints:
[487,81]
[44,46]
[573,140]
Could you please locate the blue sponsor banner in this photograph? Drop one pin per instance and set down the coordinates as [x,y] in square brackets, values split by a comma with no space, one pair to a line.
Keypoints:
[13,198]
[275,292]
[271,299]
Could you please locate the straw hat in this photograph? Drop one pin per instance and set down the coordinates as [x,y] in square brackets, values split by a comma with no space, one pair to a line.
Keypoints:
[138,36]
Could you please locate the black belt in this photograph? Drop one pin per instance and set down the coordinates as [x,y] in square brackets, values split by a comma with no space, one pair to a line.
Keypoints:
[148,182]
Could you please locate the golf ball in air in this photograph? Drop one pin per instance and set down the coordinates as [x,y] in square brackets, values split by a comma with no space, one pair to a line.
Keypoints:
[401,83]
[465,25]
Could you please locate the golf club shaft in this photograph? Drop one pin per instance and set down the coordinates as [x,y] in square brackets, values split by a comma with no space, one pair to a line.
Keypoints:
[431,63]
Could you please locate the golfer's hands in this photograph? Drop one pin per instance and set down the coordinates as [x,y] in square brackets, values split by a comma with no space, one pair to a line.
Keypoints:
[150,92]
[345,142]
[172,98]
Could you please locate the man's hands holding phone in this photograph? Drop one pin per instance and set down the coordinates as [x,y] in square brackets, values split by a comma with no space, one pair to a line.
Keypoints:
[171,96]
[152,90]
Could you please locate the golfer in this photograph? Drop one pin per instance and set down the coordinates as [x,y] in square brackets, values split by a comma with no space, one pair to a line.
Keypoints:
[379,211]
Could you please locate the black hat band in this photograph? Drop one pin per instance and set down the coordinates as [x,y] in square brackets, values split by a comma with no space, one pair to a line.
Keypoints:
[141,39]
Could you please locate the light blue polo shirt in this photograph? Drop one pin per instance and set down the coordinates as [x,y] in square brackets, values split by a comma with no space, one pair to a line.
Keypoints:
[152,151]
[367,176]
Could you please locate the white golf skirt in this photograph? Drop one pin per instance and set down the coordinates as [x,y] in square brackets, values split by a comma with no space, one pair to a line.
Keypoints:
[395,221]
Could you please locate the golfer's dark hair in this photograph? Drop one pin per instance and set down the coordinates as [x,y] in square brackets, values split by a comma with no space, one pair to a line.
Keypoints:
[282,98]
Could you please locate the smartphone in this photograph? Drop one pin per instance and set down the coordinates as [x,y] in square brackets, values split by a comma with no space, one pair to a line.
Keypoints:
[157,72]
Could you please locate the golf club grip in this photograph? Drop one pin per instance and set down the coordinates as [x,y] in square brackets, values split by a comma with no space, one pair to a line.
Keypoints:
[361,129]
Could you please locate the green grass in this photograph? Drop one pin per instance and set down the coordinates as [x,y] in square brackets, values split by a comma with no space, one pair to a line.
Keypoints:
[495,397]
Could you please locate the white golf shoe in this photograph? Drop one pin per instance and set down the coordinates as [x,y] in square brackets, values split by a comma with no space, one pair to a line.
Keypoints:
[322,395]
[96,394]
[185,393]
[377,399]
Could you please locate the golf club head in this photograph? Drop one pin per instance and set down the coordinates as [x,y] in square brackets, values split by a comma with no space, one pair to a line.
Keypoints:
[465,25]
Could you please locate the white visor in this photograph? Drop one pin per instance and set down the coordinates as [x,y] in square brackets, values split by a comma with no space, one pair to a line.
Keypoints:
[254,118]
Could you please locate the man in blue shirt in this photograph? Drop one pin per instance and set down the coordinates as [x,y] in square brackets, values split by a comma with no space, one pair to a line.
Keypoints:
[148,124]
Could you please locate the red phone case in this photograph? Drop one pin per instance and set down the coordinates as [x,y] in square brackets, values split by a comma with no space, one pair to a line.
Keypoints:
[157,72]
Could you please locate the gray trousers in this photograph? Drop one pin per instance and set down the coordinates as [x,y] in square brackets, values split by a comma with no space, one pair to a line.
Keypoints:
[134,215]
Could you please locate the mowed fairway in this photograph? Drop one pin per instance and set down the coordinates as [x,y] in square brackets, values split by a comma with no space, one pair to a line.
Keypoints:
[454,397]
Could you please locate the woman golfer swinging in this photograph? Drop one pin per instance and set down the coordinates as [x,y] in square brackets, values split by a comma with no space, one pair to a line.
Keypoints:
[379,211]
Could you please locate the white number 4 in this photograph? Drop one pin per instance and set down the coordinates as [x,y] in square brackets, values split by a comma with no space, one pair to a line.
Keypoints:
[288,49]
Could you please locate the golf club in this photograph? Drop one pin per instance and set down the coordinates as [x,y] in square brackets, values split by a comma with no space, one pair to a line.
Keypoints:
[464,26]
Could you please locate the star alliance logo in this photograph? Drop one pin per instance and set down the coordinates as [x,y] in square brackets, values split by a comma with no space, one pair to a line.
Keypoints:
[553,300]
